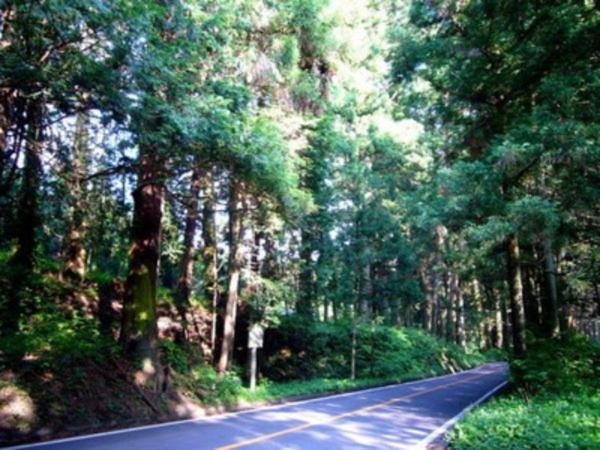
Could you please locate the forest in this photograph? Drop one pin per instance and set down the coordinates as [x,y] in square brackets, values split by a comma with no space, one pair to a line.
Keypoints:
[389,189]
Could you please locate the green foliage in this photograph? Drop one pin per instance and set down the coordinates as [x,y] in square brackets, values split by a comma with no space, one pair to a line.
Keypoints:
[207,386]
[571,363]
[301,349]
[547,422]
[556,404]
[54,339]
[173,355]
[272,391]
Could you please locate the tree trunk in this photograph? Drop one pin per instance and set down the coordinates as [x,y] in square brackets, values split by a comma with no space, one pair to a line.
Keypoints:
[235,265]
[550,303]
[353,348]
[139,329]
[209,253]
[429,300]
[186,266]
[75,254]
[453,306]
[366,292]
[482,319]
[28,215]
[28,219]
[495,299]
[439,322]
[307,285]
[461,333]
[499,337]
[515,286]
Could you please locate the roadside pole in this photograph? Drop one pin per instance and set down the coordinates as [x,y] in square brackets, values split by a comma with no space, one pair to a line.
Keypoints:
[255,341]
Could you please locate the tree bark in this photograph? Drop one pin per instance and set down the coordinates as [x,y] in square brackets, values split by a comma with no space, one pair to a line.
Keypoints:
[365,297]
[529,297]
[235,266]
[550,303]
[139,328]
[499,329]
[496,300]
[307,284]
[209,254]
[515,285]
[75,254]
[429,300]
[482,318]
[28,216]
[186,266]
[461,333]
[453,295]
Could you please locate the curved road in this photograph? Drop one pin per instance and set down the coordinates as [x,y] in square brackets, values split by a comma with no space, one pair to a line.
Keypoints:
[400,416]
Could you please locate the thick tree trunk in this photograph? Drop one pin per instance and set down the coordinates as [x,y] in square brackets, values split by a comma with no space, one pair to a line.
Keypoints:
[550,302]
[5,160]
[186,265]
[235,266]
[75,254]
[515,285]
[209,254]
[28,216]
[494,298]
[139,328]
[529,298]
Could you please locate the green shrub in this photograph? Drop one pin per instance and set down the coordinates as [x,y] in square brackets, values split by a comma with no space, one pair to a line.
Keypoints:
[54,339]
[302,349]
[555,404]
[173,355]
[570,363]
[566,421]
[204,383]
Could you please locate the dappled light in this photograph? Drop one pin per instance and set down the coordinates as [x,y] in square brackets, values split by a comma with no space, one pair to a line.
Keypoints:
[345,223]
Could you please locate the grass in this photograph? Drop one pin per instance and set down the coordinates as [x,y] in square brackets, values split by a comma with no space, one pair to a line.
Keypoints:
[569,421]
[273,391]
[555,403]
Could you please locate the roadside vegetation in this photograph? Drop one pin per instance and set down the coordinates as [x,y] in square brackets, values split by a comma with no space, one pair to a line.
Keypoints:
[553,404]
[389,189]
[62,375]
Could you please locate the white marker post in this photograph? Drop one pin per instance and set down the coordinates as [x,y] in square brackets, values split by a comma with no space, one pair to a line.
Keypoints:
[255,341]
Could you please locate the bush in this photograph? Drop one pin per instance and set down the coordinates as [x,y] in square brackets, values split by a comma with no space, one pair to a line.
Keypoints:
[302,349]
[545,422]
[556,390]
[205,384]
[52,339]
[174,356]
[567,364]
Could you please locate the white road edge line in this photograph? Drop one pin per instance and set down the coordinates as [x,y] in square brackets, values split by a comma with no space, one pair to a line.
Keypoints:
[422,445]
[218,417]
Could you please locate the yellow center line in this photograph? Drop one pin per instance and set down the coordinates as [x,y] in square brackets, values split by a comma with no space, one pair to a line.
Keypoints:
[304,426]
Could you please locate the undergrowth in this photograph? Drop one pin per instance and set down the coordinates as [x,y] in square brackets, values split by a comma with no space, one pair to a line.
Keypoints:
[555,403]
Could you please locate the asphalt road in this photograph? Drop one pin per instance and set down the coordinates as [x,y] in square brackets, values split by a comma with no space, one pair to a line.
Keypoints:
[402,416]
